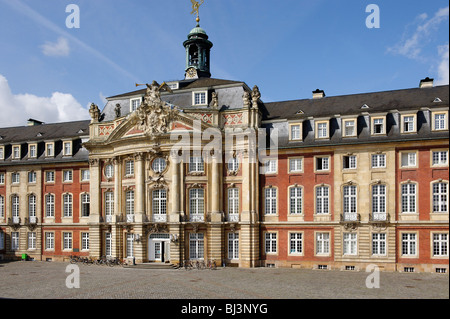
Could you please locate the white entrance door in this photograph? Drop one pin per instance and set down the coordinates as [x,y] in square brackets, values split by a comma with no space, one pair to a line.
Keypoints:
[158,247]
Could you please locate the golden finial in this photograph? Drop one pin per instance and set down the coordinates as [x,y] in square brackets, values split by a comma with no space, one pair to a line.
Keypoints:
[195,7]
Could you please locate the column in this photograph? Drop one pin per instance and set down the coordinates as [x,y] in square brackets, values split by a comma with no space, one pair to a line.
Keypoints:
[140,193]
[95,238]
[215,229]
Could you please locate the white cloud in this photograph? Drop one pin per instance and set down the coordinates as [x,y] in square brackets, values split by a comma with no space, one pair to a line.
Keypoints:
[60,48]
[18,108]
[412,45]
[443,68]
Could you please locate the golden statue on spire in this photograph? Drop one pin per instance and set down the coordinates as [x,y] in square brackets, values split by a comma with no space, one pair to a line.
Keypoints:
[195,7]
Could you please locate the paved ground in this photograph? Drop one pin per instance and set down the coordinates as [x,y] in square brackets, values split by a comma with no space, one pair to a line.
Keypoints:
[47,280]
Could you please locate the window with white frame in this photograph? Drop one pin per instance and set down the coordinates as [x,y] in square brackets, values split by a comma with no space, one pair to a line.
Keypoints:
[32,206]
[129,168]
[409,244]
[233,201]
[322,199]
[67,241]
[16,152]
[199,98]
[109,203]
[409,197]
[440,121]
[271,243]
[322,243]
[49,176]
[2,206]
[109,171]
[378,126]
[32,177]
[296,165]
[295,200]
[295,130]
[440,245]
[349,128]
[134,104]
[408,159]
[15,206]
[233,245]
[15,178]
[196,246]
[84,241]
[130,245]
[160,202]
[196,164]
[270,166]
[379,201]
[296,243]
[159,165]
[49,241]
[196,201]
[15,241]
[2,153]
[49,150]
[67,176]
[108,244]
[32,151]
[379,244]
[85,205]
[409,123]
[440,158]
[129,203]
[2,178]
[350,244]
[67,148]
[378,160]
[270,207]
[233,164]
[50,205]
[67,205]
[85,175]
[349,162]
[322,130]
[440,197]
[349,200]
[322,163]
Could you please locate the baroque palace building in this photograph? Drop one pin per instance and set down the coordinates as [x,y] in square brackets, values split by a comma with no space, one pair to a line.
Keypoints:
[354,180]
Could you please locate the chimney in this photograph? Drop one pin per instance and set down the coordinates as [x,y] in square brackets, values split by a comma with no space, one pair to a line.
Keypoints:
[33,122]
[318,94]
[426,83]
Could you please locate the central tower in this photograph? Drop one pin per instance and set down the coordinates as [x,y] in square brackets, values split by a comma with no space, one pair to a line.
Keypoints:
[198,49]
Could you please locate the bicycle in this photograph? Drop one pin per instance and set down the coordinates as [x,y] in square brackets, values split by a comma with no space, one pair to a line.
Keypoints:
[212,265]
[187,265]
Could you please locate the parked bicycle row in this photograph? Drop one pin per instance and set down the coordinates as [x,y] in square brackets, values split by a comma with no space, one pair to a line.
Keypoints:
[102,261]
[198,264]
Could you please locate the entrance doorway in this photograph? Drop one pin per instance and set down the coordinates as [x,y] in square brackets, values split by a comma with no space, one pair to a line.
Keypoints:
[158,247]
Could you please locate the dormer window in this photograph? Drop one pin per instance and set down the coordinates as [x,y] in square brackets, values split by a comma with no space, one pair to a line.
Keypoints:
[2,152]
[295,132]
[50,149]
[408,123]
[134,104]
[67,146]
[199,98]
[32,151]
[349,128]
[378,125]
[440,120]
[16,152]
[322,129]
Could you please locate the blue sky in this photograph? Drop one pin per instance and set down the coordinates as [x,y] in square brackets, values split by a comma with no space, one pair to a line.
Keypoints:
[288,48]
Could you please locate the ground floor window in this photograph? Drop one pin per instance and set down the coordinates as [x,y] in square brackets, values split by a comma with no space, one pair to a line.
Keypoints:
[296,243]
[49,241]
[196,246]
[108,244]
[84,241]
[14,241]
[378,244]
[67,244]
[440,244]
[409,244]
[130,245]
[233,245]
[271,242]
[322,243]
[32,240]
[350,244]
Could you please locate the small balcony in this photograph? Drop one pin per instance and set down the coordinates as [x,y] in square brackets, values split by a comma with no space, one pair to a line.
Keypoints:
[197,218]
[350,220]
[380,220]
[130,218]
[159,218]
[233,218]
[14,222]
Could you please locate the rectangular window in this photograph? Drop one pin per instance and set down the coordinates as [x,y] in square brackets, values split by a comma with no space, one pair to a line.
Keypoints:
[16,152]
[322,163]
[409,194]
[15,207]
[15,178]
[350,244]
[85,205]
[322,200]
[67,176]
[440,245]
[350,199]
[109,203]
[270,201]
[196,201]
[50,177]
[84,241]
[322,130]
[233,245]
[199,98]
[271,166]
[296,132]
[85,175]
[379,202]
[67,205]
[409,244]
[196,246]
[408,159]
[296,243]
[32,177]
[160,202]
[378,160]
[2,240]
[2,207]
[15,241]
[440,158]
[32,207]
[2,178]
[134,104]
[108,244]
[233,201]
[349,128]
[129,203]
[67,241]
[295,165]
[379,244]
[349,162]
[440,198]
[67,146]
[409,124]
[50,205]
[2,153]
[32,151]
[440,121]
[196,164]
[49,150]
[378,126]
[295,197]
[322,243]
[271,242]
[129,168]
[49,241]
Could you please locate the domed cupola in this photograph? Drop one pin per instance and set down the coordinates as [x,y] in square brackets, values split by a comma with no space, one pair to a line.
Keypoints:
[198,49]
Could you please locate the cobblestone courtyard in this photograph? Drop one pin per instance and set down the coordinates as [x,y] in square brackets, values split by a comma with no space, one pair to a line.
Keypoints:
[47,280]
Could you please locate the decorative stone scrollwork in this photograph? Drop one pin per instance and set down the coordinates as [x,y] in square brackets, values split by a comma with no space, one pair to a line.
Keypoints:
[94,161]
